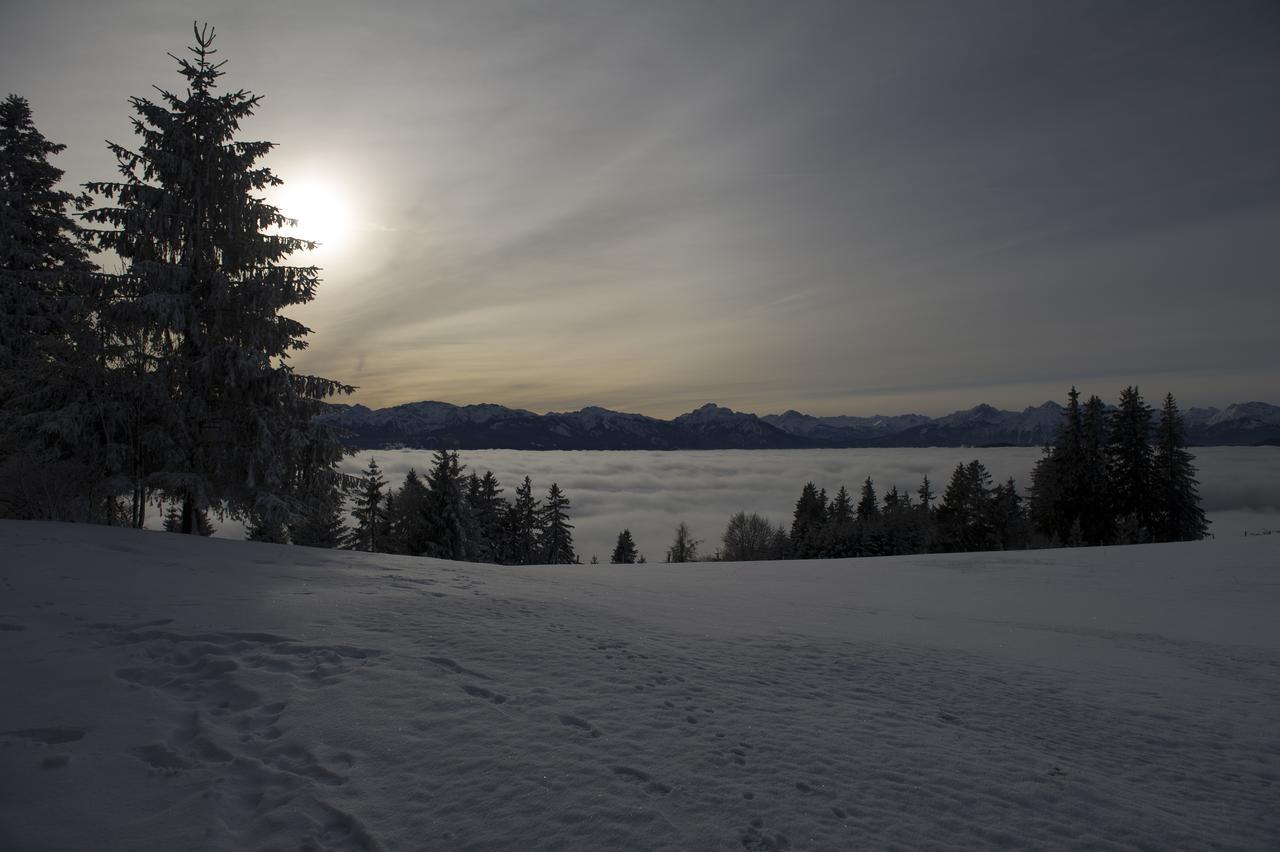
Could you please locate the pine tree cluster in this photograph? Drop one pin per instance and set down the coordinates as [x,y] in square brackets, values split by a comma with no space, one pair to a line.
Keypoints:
[973,515]
[168,381]
[462,516]
[1110,477]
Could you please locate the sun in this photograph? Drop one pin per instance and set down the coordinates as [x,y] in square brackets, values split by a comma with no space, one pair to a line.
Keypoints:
[321,209]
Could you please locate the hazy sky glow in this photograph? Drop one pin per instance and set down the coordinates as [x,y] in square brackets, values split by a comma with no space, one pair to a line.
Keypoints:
[844,207]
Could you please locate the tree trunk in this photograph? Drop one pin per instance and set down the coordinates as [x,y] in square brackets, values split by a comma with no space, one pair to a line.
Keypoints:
[188,515]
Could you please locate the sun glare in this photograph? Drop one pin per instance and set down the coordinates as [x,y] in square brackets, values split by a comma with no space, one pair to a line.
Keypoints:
[322,212]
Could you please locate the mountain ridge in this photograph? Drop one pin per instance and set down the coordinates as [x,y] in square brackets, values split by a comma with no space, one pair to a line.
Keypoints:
[430,424]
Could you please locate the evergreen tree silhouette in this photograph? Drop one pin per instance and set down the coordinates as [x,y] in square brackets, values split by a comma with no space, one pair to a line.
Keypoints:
[369,511]
[1130,468]
[557,532]
[201,299]
[1178,516]
[624,552]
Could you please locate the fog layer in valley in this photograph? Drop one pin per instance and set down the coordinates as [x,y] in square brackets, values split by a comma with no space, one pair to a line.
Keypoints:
[651,492]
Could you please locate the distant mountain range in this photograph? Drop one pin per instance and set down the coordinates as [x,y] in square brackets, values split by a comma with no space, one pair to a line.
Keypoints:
[433,425]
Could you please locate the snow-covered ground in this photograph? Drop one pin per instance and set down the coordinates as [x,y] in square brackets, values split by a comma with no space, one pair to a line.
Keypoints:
[161,692]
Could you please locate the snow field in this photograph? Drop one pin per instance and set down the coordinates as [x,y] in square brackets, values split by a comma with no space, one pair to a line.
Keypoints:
[164,692]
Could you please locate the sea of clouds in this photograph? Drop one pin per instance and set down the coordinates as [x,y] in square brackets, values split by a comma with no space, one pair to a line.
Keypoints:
[651,492]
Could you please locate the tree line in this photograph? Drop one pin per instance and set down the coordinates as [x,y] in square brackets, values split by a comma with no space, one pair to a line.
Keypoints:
[448,514]
[1110,476]
[169,380]
[973,514]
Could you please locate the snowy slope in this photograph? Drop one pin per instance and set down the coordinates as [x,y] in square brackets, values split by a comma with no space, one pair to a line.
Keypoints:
[169,693]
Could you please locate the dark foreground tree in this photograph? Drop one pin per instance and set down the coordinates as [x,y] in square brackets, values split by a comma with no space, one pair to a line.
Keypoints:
[200,306]
[52,463]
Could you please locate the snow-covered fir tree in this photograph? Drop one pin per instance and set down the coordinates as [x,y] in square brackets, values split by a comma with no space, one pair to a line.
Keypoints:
[557,532]
[53,461]
[230,424]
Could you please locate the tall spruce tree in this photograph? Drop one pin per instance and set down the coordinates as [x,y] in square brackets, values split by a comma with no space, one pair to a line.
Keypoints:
[900,524]
[925,510]
[1056,492]
[369,510]
[1178,516]
[487,508]
[808,520]
[521,534]
[406,510]
[1130,469]
[624,552]
[446,515]
[51,399]
[965,516]
[43,263]
[868,509]
[557,532]
[1008,517]
[200,302]
[1096,513]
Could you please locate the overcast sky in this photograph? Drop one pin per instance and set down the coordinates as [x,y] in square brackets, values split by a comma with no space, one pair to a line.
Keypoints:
[843,208]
